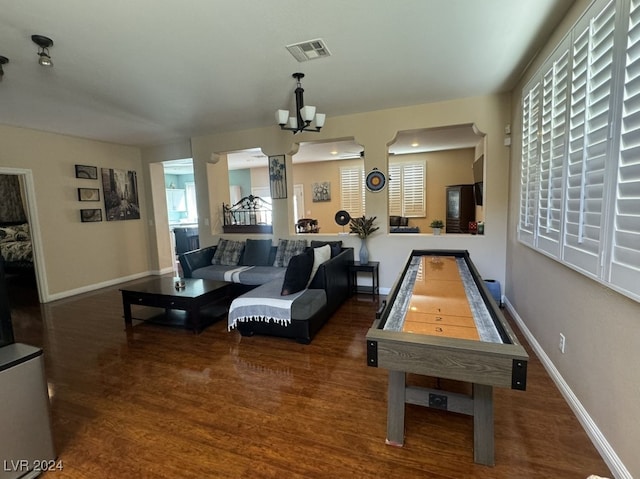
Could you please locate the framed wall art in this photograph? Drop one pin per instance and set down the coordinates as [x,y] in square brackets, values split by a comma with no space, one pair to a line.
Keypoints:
[278,177]
[91,215]
[321,191]
[87,172]
[120,190]
[88,194]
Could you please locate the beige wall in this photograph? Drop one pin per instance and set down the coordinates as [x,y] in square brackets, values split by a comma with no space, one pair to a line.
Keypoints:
[602,327]
[375,131]
[318,172]
[76,254]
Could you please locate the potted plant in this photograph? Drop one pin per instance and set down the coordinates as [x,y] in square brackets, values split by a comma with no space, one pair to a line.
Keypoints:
[363,227]
[437,226]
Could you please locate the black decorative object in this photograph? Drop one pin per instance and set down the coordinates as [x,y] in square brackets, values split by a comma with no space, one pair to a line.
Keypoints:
[343,217]
[376,180]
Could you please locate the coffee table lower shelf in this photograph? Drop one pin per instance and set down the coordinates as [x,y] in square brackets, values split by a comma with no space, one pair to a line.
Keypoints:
[178,318]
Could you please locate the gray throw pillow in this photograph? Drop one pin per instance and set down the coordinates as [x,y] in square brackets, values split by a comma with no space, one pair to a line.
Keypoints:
[287,249]
[228,252]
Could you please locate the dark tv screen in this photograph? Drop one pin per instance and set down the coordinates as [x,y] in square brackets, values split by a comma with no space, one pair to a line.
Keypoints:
[477,192]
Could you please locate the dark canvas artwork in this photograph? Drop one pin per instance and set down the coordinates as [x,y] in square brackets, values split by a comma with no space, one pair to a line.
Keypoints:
[120,194]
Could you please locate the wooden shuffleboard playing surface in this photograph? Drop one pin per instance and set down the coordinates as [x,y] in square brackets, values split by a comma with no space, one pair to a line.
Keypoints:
[438,304]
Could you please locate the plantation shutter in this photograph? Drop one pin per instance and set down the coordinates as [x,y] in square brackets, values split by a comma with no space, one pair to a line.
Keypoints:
[530,163]
[552,153]
[395,189]
[591,86]
[352,190]
[413,204]
[407,189]
[625,263]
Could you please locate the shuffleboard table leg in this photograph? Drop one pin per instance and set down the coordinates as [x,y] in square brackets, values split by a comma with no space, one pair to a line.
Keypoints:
[395,408]
[483,440]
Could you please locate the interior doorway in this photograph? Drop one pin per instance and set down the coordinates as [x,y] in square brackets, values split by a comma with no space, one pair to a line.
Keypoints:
[27,190]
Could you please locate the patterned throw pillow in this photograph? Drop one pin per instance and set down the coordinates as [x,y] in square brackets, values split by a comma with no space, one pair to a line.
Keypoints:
[287,249]
[7,234]
[228,252]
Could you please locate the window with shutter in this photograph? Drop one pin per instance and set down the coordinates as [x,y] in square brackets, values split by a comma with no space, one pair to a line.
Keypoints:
[395,189]
[352,190]
[625,261]
[581,149]
[407,181]
[588,140]
[552,152]
[530,163]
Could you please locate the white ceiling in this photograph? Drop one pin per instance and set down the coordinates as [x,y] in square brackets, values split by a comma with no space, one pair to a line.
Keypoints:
[144,72]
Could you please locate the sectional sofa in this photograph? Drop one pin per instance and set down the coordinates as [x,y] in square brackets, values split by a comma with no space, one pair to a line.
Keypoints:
[258,270]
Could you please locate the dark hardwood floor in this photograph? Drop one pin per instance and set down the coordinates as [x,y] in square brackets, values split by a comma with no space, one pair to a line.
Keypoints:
[161,402]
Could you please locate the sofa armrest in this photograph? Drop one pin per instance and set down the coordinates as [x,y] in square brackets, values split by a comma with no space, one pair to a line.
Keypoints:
[192,260]
[333,277]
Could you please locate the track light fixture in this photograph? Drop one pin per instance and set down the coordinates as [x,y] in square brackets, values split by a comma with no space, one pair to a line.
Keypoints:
[44,43]
[3,61]
[304,114]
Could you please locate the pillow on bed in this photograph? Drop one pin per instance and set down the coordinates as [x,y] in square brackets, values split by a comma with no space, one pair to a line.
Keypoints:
[297,275]
[8,234]
[227,252]
[287,249]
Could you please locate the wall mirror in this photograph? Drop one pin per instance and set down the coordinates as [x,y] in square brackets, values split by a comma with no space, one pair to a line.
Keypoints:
[422,164]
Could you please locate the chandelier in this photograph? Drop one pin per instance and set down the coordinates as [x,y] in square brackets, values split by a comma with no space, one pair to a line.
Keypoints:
[305,115]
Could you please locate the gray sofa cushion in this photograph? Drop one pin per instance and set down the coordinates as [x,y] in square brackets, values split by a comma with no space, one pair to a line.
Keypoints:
[252,276]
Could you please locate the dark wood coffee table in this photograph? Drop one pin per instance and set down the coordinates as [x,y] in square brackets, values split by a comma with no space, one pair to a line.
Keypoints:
[198,304]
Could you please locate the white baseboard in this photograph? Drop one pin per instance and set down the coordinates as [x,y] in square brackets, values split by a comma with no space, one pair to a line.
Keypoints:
[104,284]
[597,438]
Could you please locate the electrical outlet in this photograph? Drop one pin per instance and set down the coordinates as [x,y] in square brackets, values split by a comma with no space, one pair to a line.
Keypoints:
[562,343]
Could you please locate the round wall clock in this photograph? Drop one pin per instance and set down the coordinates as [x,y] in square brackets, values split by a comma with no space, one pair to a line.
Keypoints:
[376,180]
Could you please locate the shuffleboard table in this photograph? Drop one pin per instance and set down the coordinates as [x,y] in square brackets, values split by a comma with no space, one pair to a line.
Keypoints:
[440,320]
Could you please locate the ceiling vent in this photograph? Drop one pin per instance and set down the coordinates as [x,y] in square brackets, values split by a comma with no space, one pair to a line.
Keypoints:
[309,50]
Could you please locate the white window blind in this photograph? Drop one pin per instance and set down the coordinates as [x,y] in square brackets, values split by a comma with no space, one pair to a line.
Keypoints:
[588,140]
[625,261]
[352,190]
[581,149]
[407,181]
[395,189]
[552,153]
[530,163]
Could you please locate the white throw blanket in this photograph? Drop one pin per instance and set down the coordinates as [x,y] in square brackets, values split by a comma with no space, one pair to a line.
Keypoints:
[263,304]
[233,275]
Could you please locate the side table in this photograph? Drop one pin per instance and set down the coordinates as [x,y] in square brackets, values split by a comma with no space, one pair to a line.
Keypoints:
[370,267]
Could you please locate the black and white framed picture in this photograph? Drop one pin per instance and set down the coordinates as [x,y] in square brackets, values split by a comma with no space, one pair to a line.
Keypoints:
[88,194]
[278,177]
[92,215]
[321,191]
[120,190]
[87,172]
